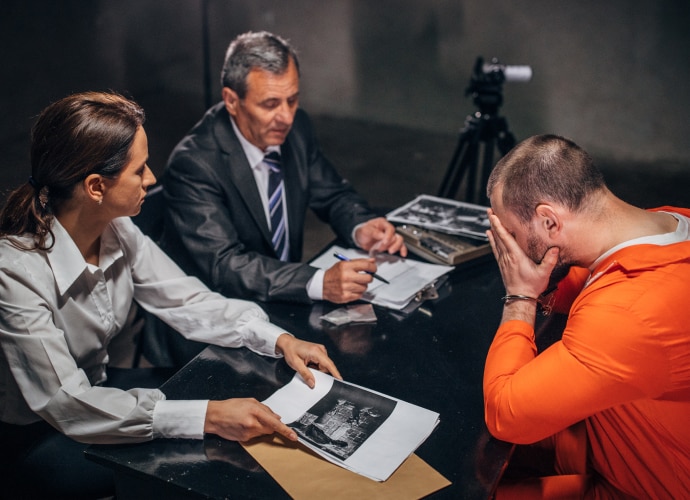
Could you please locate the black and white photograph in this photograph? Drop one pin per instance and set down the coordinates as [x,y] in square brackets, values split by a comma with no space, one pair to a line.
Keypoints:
[343,419]
[444,215]
[362,430]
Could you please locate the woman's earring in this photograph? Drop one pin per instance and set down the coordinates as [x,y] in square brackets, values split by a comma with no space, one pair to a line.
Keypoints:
[100,201]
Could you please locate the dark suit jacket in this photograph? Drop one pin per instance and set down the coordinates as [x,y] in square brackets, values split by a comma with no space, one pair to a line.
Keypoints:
[215,225]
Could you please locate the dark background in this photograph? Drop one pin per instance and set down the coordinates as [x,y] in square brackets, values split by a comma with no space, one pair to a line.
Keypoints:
[385,80]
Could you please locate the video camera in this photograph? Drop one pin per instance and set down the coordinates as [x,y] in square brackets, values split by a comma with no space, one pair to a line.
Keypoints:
[487,78]
[504,72]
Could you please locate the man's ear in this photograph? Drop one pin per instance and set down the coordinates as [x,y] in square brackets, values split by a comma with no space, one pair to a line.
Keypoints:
[548,219]
[231,100]
[94,187]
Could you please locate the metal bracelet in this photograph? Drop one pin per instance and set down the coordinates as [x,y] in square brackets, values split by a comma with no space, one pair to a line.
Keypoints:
[510,298]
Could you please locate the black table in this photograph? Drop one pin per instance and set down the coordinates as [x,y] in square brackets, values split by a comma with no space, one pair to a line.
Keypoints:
[433,357]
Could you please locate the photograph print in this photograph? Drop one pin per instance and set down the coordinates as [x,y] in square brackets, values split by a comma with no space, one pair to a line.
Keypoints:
[444,215]
[343,419]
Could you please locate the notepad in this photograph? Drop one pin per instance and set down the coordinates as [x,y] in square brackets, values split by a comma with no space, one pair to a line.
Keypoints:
[407,277]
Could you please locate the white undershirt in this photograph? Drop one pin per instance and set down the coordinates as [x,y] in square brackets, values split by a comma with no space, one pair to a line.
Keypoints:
[680,234]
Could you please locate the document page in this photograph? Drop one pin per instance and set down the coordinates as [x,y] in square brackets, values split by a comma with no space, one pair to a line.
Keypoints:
[444,215]
[407,277]
[361,430]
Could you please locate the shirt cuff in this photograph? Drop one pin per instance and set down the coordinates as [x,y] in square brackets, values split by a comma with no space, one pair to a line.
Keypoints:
[315,285]
[354,231]
[179,419]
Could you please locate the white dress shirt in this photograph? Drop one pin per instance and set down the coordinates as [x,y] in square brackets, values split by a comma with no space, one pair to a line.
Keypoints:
[255,158]
[58,314]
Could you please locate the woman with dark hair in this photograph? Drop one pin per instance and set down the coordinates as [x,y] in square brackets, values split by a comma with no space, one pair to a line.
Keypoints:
[71,263]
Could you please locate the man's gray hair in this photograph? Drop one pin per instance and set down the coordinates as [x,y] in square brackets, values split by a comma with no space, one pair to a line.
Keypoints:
[255,50]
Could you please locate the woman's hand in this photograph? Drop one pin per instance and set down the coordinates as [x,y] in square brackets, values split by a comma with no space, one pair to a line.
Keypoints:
[242,419]
[301,355]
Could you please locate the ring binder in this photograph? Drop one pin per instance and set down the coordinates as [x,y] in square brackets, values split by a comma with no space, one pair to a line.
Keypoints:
[441,248]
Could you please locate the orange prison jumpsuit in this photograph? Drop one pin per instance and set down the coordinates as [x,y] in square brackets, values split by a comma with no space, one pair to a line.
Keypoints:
[622,366]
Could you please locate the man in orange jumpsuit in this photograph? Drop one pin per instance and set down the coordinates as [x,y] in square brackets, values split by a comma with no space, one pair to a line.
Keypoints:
[613,395]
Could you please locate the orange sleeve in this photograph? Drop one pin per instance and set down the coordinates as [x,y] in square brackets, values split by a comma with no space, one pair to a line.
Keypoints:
[529,397]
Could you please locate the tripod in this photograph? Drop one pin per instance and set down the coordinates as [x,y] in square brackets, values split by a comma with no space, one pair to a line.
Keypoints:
[483,131]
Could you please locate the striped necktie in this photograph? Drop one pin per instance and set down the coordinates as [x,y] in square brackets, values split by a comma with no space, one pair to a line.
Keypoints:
[275,205]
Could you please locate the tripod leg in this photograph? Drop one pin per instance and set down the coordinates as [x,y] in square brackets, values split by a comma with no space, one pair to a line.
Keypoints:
[506,140]
[453,172]
[459,164]
[498,137]
[488,130]
[487,165]
[472,160]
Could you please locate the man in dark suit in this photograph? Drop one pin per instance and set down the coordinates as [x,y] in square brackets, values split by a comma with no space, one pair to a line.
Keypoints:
[230,223]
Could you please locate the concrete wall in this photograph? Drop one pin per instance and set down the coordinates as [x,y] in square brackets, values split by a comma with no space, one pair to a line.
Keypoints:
[610,74]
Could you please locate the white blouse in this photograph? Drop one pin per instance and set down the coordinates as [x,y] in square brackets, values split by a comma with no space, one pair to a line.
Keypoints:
[58,314]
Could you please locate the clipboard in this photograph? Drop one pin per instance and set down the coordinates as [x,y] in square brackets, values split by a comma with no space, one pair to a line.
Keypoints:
[406,277]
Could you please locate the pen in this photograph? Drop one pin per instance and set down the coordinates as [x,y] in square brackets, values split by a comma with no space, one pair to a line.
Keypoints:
[342,257]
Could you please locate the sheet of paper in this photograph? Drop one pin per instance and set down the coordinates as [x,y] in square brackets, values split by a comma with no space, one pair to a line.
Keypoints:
[361,430]
[444,215]
[407,277]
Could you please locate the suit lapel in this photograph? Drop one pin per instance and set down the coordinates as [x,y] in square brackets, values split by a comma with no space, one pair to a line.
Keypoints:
[294,194]
[239,172]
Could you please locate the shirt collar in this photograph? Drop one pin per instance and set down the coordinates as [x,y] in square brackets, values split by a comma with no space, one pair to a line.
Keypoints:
[629,256]
[680,234]
[68,263]
[254,154]
[111,249]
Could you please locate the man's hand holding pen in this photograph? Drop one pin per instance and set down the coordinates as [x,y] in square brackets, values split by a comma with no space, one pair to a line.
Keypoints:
[347,280]
[346,259]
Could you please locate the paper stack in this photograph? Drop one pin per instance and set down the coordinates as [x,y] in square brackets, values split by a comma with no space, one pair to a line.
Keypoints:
[361,430]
